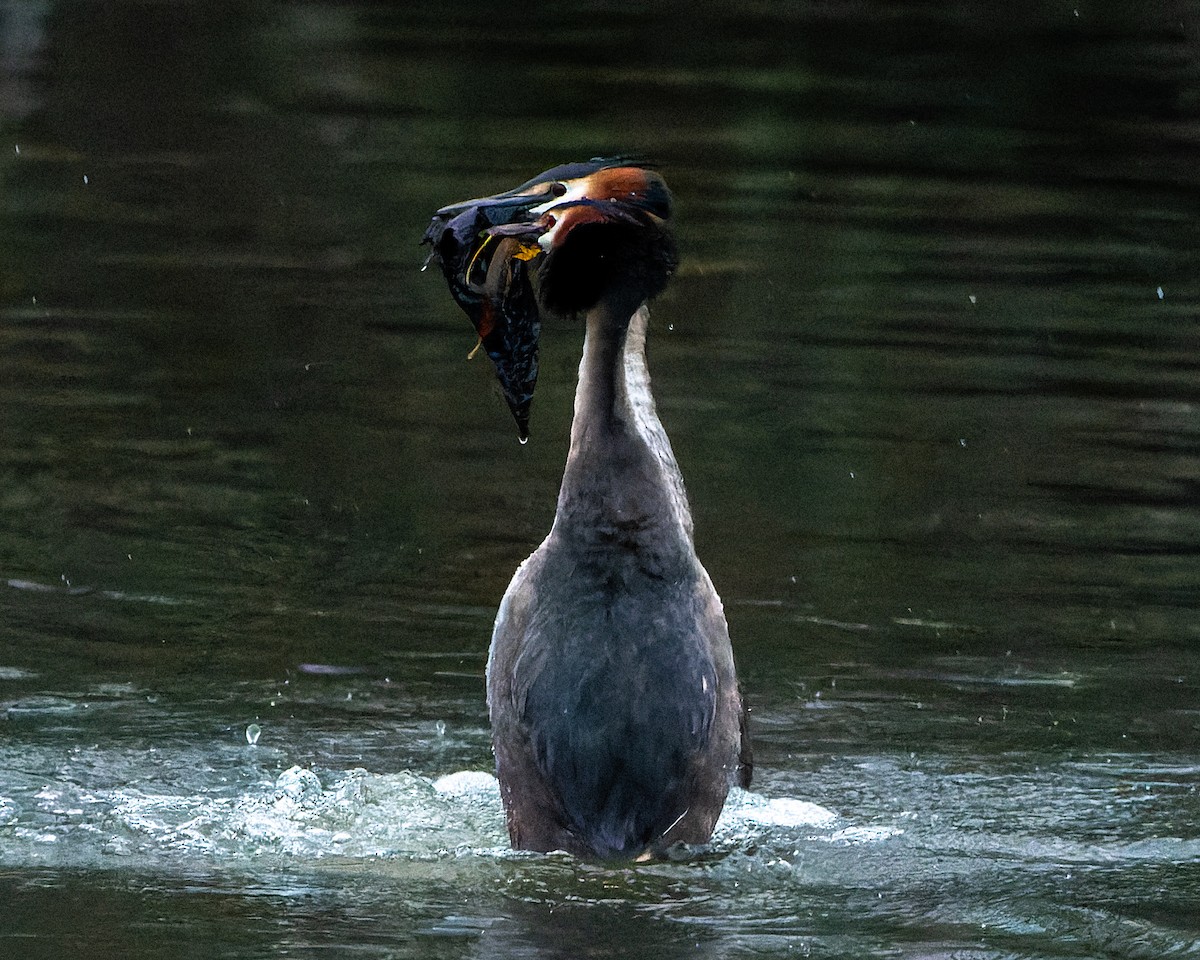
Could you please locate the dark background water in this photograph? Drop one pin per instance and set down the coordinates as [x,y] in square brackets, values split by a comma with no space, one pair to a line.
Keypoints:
[930,369]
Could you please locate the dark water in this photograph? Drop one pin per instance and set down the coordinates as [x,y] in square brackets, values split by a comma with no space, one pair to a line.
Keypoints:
[931,369]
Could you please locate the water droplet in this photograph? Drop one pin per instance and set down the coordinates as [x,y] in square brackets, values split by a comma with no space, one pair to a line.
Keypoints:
[1160,293]
[524,440]
[440,727]
[962,441]
[670,326]
[252,733]
[85,179]
[971,297]
[17,147]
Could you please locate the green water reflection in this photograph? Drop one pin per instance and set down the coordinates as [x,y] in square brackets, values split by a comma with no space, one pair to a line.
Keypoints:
[929,368]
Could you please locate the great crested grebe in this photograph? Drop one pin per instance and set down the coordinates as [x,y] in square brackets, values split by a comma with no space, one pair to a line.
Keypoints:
[617,722]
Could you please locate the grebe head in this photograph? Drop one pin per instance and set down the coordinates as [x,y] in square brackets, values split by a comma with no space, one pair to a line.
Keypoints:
[558,243]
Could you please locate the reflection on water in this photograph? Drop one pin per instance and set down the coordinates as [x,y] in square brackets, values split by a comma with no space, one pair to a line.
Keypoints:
[1025,852]
[982,813]
[929,368]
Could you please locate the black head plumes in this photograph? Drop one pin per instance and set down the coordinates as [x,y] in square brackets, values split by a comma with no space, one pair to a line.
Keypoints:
[556,243]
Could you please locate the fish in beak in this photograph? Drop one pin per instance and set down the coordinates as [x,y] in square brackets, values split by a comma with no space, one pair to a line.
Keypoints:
[492,249]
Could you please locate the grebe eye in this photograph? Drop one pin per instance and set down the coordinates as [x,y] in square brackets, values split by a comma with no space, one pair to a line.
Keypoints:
[557,189]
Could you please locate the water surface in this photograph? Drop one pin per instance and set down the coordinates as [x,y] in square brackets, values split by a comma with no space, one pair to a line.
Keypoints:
[930,370]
